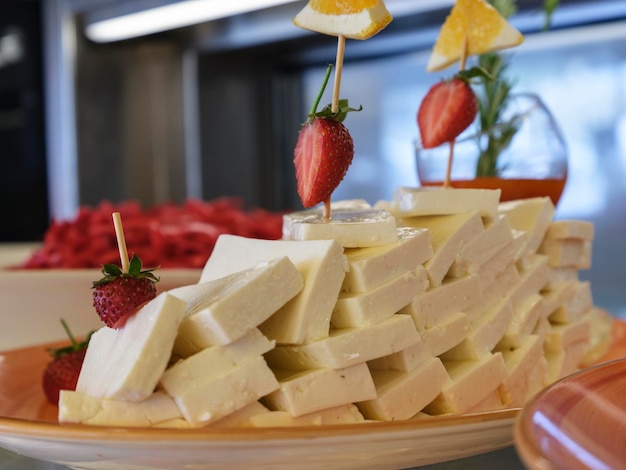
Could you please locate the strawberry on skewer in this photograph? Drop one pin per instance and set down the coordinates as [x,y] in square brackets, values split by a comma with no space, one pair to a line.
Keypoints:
[448,108]
[122,292]
[323,153]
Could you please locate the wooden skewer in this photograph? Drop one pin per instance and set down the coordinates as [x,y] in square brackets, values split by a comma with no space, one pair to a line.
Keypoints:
[121,240]
[326,213]
[341,46]
[463,61]
[334,107]
[446,181]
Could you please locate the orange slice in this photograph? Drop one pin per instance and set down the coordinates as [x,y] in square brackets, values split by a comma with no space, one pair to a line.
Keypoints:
[355,19]
[477,24]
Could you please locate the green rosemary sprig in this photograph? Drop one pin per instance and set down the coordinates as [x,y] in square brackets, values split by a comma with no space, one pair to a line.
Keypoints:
[494,94]
[548,7]
[492,100]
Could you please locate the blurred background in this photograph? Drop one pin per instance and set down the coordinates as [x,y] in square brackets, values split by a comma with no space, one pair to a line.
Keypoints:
[137,99]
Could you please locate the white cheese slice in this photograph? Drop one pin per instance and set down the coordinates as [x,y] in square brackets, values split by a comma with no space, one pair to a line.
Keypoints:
[524,321]
[577,300]
[256,415]
[321,263]
[343,414]
[532,281]
[532,215]
[126,364]
[443,337]
[253,338]
[470,383]
[206,400]
[520,363]
[496,265]
[561,336]
[572,252]
[77,407]
[562,229]
[448,235]
[405,360]
[520,239]
[176,423]
[422,278]
[542,328]
[566,361]
[347,346]
[600,338]
[337,207]
[214,362]
[491,402]
[538,378]
[559,276]
[374,266]
[309,391]
[556,296]
[482,247]
[437,304]
[420,201]
[223,310]
[484,333]
[351,228]
[369,308]
[401,395]
[499,286]
[243,416]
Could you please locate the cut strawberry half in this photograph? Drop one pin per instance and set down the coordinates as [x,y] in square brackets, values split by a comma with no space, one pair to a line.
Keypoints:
[448,108]
[323,154]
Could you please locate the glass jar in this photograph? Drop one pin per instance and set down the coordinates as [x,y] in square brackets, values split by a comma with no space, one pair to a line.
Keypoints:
[533,163]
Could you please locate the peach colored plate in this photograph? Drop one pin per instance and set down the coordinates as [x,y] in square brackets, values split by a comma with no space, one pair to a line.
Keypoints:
[28,426]
[578,422]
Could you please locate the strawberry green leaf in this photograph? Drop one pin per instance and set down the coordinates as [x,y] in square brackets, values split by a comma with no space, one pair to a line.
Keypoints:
[342,111]
[112,272]
[342,105]
[74,346]
[134,267]
[474,72]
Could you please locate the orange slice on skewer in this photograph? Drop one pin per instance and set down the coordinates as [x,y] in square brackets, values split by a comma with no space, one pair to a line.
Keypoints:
[355,19]
[475,25]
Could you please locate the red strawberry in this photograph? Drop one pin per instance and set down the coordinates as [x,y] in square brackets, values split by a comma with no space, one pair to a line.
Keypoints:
[63,370]
[119,295]
[448,109]
[323,152]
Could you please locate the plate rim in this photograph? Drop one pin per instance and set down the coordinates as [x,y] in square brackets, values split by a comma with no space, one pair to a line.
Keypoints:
[18,427]
[525,444]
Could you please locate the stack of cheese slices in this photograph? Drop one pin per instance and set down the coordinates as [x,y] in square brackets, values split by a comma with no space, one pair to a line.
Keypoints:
[441,301]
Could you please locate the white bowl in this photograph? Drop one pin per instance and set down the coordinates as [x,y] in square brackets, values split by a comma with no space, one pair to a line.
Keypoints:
[33,301]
